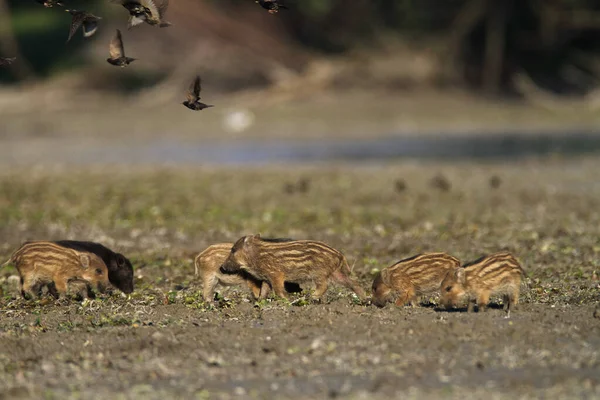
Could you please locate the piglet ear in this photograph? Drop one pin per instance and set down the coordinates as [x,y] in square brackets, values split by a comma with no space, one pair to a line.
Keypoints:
[120,260]
[248,239]
[383,276]
[460,275]
[85,260]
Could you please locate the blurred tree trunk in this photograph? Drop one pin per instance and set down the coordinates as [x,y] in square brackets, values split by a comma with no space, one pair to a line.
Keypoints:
[493,15]
[462,26]
[495,42]
[10,48]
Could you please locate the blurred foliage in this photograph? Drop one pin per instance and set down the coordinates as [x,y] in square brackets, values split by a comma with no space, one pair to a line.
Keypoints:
[41,34]
[539,36]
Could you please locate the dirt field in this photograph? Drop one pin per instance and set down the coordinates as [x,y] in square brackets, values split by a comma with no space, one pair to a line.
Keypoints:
[164,342]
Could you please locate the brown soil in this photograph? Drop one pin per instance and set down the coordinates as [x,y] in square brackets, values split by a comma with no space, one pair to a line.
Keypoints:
[164,342]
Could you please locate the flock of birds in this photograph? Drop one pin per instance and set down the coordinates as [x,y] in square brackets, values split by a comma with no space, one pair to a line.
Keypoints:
[151,12]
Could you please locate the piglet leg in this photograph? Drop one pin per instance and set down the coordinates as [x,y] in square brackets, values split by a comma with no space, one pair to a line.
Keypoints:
[321,288]
[61,286]
[278,285]
[209,283]
[482,301]
[264,291]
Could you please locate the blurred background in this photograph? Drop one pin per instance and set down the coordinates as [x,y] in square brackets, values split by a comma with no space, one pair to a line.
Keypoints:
[323,70]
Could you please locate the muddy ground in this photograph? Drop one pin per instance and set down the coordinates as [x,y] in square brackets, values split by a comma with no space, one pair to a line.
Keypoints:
[165,342]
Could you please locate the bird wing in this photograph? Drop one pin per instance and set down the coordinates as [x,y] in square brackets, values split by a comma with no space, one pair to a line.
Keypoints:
[116,48]
[162,6]
[126,3]
[134,7]
[193,93]
[135,20]
[76,21]
[89,27]
[7,61]
[152,8]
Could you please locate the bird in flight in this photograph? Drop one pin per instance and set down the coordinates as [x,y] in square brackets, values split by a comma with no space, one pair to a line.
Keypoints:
[89,22]
[151,12]
[193,96]
[272,6]
[6,61]
[117,52]
[50,3]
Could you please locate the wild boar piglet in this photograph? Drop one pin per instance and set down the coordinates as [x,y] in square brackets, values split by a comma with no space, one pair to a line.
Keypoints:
[207,264]
[120,270]
[495,274]
[412,277]
[46,263]
[294,261]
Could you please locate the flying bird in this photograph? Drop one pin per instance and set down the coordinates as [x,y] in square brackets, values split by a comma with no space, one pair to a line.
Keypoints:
[151,12]
[193,96]
[89,22]
[117,52]
[50,3]
[137,13]
[6,61]
[272,6]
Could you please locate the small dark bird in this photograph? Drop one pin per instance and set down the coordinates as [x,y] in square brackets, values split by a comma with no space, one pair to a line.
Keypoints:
[89,22]
[6,61]
[50,3]
[149,11]
[117,52]
[400,185]
[440,182]
[134,7]
[193,96]
[137,14]
[495,182]
[272,6]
